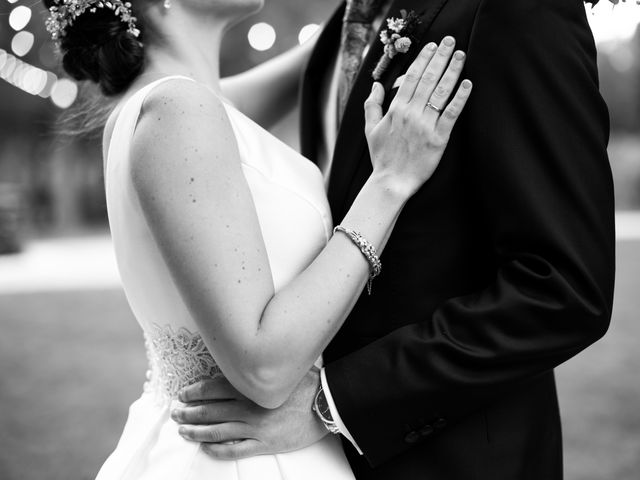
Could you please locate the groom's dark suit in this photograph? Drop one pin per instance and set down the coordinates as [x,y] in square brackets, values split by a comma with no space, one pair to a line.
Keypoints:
[499,269]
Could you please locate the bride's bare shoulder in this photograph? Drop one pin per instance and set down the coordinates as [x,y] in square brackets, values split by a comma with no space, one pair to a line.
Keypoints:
[182,124]
[185,114]
[182,99]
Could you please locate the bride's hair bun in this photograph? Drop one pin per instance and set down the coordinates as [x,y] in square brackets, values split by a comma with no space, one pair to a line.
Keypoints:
[98,47]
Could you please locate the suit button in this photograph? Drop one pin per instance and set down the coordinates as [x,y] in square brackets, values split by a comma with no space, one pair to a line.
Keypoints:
[440,423]
[412,437]
[426,430]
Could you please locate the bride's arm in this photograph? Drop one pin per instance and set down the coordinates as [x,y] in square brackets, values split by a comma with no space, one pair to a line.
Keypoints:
[200,210]
[267,92]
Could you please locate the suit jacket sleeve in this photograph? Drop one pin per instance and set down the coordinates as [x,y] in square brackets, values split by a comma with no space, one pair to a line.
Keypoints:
[537,131]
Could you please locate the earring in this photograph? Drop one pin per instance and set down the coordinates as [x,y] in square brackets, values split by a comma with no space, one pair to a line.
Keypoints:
[167,4]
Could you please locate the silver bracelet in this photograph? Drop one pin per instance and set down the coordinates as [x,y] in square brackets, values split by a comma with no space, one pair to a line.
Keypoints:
[367,249]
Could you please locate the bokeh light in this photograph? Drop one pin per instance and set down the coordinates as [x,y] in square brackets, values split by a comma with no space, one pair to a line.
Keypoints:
[19,17]
[64,93]
[307,32]
[22,43]
[262,36]
[9,66]
[34,81]
[52,79]
[3,59]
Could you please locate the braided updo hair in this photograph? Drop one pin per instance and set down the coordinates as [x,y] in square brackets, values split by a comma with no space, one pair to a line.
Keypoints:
[97,47]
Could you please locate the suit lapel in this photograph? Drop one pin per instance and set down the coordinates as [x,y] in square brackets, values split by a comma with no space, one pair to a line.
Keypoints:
[310,109]
[351,143]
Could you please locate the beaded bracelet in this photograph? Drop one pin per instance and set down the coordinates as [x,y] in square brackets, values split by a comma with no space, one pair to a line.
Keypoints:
[367,249]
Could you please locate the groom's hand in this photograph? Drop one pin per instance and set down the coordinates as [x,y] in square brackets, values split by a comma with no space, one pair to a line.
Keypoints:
[230,426]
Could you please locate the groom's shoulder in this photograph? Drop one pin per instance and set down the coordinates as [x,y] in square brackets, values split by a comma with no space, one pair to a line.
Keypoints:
[511,6]
[525,17]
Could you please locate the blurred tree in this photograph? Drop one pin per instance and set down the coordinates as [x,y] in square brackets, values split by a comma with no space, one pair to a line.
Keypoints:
[619,65]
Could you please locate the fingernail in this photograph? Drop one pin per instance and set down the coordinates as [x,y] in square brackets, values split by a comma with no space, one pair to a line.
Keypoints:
[174,413]
[182,431]
[448,41]
[459,55]
[466,84]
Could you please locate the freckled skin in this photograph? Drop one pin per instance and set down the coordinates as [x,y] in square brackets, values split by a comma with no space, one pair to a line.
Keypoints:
[253,305]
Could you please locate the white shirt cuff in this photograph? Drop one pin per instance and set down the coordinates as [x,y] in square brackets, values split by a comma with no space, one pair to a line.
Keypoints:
[334,412]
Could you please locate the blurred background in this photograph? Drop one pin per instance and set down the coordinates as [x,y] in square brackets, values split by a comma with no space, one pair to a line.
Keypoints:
[71,356]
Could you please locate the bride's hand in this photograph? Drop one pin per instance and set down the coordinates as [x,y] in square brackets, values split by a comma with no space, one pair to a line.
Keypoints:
[407,143]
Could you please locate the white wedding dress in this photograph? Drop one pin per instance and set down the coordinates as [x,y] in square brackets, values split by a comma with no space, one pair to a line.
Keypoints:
[295,220]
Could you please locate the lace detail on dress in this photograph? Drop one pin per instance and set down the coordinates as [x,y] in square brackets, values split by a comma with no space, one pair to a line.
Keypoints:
[176,360]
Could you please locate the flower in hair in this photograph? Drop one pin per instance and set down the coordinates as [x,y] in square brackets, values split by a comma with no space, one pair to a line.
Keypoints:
[396,38]
[65,12]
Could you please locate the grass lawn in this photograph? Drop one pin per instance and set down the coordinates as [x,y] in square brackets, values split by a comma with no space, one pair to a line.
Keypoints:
[70,363]
[600,389]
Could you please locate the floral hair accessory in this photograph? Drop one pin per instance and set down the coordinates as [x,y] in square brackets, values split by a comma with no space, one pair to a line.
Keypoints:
[65,12]
[396,39]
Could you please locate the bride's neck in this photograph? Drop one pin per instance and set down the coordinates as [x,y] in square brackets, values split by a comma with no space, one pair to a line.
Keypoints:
[194,53]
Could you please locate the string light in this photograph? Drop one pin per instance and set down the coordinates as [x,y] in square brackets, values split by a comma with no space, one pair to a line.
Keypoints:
[19,17]
[262,37]
[22,42]
[36,81]
[307,32]
[64,93]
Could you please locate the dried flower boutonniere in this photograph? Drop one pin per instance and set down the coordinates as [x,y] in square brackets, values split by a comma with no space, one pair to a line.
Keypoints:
[396,39]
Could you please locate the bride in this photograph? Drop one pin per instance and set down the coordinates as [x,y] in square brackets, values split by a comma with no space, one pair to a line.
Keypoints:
[222,233]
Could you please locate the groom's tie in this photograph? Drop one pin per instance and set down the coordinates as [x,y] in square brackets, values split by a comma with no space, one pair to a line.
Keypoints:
[356,34]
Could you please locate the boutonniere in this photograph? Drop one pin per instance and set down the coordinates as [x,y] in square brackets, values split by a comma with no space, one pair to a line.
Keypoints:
[396,39]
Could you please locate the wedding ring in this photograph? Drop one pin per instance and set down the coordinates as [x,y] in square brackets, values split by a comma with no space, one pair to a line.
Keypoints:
[433,107]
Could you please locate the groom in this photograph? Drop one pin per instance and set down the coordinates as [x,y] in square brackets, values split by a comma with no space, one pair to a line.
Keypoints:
[500,269]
